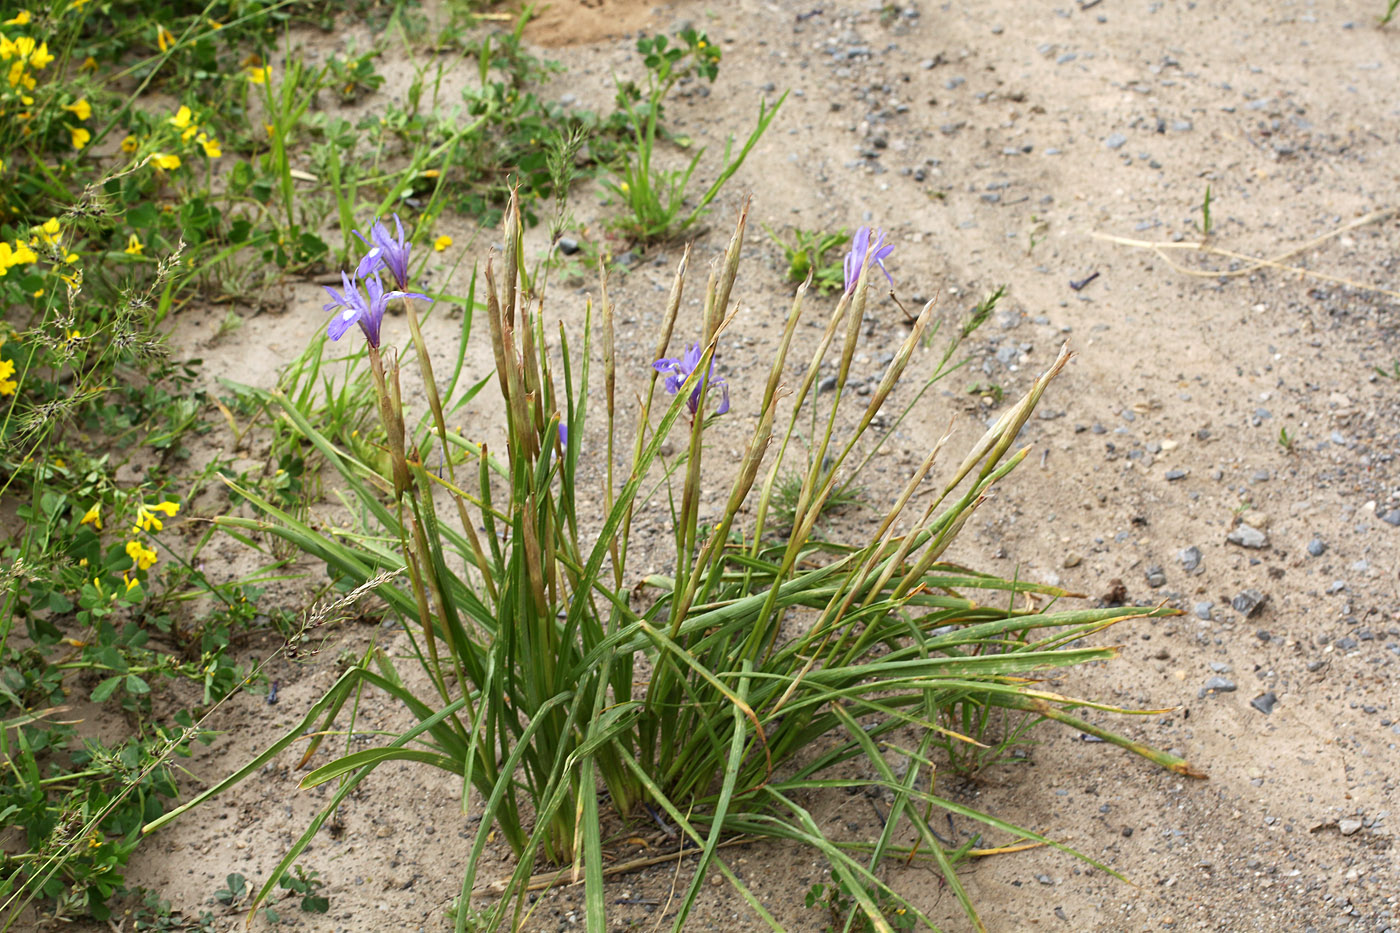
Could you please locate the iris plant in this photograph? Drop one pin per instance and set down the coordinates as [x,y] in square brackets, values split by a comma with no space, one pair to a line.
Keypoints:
[678,370]
[862,245]
[365,306]
[385,252]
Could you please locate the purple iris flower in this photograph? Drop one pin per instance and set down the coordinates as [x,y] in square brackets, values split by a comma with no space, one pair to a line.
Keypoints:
[385,252]
[563,435]
[365,308]
[856,257]
[678,370]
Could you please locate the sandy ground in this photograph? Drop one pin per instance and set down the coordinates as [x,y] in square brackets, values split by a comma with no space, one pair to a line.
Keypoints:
[993,140]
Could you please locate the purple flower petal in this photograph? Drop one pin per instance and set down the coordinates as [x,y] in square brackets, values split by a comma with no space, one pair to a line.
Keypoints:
[860,247]
[679,369]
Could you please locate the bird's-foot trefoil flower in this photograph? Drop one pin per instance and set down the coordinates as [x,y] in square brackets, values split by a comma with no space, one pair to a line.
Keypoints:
[860,246]
[386,251]
[364,307]
[678,369]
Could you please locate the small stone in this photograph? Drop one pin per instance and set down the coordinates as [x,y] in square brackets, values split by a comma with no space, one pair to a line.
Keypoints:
[1073,560]
[1255,518]
[1218,685]
[1248,536]
[1044,879]
[1265,702]
[1156,577]
[1190,558]
[1181,126]
[1248,602]
[828,384]
[1202,611]
[1349,827]
[1317,547]
[1173,475]
[1392,517]
[568,245]
[1116,141]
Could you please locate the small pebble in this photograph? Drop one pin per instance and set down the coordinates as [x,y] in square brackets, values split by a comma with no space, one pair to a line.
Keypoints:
[1248,536]
[1203,611]
[1190,558]
[1116,141]
[1156,577]
[1218,685]
[1248,602]
[1349,827]
[1177,474]
[1317,547]
[1265,702]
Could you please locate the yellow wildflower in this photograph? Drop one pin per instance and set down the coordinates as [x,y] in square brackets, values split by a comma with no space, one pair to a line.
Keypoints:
[80,136]
[24,47]
[168,162]
[134,246]
[442,243]
[16,74]
[20,19]
[49,232]
[146,519]
[131,582]
[129,144]
[93,517]
[212,149]
[40,58]
[7,384]
[214,24]
[182,119]
[80,108]
[164,39]
[260,75]
[89,64]
[18,255]
[143,557]
[70,259]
